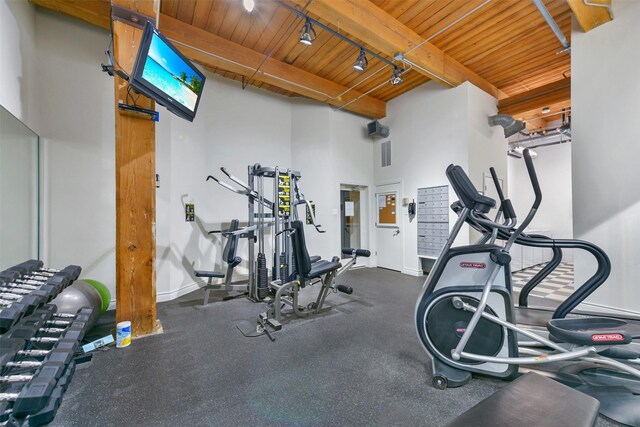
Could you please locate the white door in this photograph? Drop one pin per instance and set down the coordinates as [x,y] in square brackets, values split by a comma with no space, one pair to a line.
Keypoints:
[388,220]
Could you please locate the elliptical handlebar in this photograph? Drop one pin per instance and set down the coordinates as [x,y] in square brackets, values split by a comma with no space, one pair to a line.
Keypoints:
[496,182]
[505,204]
[508,225]
[534,208]
[533,177]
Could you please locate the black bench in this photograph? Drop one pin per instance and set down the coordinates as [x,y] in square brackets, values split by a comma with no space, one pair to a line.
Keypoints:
[532,400]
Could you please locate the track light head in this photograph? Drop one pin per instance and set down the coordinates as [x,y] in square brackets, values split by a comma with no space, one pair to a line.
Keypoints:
[396,76]
[362,62]
[248,5]
[307,33]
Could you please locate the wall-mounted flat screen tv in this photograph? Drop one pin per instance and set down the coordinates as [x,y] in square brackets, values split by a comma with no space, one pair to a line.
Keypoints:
[163,74]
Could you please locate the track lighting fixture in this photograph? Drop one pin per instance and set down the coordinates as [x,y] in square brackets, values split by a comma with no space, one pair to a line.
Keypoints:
[307,33]
[362,62]
[396,76]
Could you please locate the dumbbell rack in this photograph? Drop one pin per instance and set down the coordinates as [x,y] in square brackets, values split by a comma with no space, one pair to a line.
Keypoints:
[38,346]
[28,285]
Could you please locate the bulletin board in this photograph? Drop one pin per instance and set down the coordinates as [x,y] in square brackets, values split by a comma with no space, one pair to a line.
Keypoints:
[387,209]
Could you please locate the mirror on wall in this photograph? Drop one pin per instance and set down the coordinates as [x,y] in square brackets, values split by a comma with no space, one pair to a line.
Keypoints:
[19,191]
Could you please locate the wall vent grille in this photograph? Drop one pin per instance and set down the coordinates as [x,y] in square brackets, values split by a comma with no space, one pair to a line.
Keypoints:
[385,150]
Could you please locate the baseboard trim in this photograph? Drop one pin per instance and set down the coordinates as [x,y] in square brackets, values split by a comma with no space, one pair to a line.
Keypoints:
[185,289]
[176,293]
[412,271]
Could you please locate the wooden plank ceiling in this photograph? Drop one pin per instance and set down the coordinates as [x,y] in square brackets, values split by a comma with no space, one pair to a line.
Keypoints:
[504,44]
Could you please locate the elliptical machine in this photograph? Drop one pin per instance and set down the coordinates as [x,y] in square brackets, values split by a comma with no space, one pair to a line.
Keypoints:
[465,313]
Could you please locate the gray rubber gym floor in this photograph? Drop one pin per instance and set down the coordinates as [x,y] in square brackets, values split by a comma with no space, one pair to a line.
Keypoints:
[361,364]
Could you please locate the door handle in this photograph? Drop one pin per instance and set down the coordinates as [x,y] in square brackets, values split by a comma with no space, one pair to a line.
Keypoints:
[395,233]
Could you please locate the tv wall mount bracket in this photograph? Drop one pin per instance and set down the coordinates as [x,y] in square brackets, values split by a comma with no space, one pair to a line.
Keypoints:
[130,17]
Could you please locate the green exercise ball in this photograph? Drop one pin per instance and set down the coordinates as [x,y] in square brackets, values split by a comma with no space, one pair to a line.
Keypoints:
[103,291]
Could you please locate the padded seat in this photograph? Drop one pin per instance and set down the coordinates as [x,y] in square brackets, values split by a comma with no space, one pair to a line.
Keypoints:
[532,400]
[315,258]
[214,274]
[322,267]
[466,191]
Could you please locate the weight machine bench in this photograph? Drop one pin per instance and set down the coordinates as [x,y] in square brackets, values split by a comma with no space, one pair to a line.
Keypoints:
[308,270]
[229,256]
[532,400]
[305,272]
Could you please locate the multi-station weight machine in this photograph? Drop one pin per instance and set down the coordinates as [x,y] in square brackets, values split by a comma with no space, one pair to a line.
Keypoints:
[276,214]
[280,214]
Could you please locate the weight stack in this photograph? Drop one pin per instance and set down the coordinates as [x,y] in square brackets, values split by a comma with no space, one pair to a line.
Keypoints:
[263,277]
[284,273]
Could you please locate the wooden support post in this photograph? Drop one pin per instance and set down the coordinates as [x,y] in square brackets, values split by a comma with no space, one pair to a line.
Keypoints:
[135,189]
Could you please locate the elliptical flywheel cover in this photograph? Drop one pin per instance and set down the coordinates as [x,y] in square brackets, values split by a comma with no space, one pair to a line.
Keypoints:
[446,324]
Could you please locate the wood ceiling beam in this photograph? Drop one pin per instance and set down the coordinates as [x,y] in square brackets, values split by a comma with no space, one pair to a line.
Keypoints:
[96,12]
[214,51]
[553,95]
[589,17]
[536,123]
[211,50]
[365,21]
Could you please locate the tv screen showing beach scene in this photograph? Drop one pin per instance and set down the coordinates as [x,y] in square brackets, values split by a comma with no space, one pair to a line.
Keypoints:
[170,73]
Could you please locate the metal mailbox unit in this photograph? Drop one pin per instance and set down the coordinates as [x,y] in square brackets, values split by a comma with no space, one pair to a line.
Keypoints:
[433,220]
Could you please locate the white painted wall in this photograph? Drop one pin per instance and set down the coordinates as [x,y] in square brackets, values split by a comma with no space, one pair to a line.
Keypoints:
[606,196]
[352,156]
[432,127]
[311,155]
[234,128]
[329,148]
[487,146]
[18,71]
[18,191]
[18,77]
[553,167]
[75,102]
[425,138]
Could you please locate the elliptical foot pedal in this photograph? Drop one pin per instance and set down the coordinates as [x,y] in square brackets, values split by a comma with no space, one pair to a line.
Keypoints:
[589,331]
